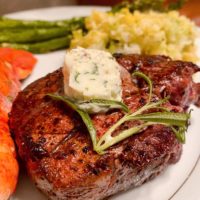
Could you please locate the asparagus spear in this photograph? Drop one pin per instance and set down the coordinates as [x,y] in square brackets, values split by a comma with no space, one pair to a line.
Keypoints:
[33,35]
[144,5]
[42,47]
[58,34]
[7,23]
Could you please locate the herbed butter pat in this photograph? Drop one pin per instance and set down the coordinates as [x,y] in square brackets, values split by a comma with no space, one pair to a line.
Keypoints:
[91,74]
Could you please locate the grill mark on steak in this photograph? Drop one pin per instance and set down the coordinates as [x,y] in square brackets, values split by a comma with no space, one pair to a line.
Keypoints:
[57,150]
[70,135]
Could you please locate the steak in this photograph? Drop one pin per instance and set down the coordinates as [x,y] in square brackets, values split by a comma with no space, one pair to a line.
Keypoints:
[170,78]
[56,148]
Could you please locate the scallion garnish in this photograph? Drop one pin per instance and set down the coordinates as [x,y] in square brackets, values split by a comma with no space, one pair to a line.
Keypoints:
[176,121]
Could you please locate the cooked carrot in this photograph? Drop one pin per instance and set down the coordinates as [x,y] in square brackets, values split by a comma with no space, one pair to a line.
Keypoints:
[21,61]
[5,81]
[9,168]
[9,83]
[6,54]
[14,65]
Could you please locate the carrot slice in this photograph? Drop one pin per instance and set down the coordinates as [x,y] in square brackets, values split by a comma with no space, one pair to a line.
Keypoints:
[5,82]
[14,65]
[23,62]
[9,83]
[5,106]
[6,54]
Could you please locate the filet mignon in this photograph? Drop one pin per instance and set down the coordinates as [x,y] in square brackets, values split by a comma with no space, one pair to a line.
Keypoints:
[56,148]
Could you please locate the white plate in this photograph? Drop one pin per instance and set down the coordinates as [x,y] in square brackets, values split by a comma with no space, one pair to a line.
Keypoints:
[178,182]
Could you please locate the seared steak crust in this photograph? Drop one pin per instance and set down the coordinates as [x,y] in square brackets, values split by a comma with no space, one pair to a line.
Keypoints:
[170,78]
[56,148]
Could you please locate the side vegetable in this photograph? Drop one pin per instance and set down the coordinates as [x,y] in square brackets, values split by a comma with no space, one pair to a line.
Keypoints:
[20,61]
[143,5]
[14,65]
[40,36]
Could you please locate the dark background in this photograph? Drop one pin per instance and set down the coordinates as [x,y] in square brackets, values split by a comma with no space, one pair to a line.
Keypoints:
[8,6]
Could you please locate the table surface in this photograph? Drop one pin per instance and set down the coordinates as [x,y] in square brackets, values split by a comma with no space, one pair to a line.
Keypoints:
[7,6]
